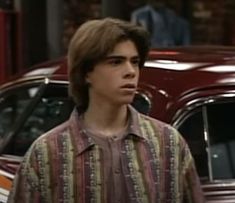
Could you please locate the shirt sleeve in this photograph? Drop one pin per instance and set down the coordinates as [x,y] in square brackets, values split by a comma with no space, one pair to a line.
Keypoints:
[192,187]
[26,182]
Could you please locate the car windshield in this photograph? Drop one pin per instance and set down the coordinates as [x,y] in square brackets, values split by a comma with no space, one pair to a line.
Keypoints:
[12,105]
[30,111]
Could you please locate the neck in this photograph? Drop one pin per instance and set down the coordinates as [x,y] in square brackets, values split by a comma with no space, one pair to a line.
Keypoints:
[106,119]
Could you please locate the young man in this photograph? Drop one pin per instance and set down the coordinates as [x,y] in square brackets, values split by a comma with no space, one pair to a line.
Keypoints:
[107,152]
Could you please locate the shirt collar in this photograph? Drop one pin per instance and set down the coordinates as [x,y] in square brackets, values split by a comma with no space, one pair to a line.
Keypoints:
[83,141]
[135,124]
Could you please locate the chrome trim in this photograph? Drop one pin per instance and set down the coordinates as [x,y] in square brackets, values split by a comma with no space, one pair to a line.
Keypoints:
[182,113]
[219,184]
[19,84]
[61,82]
[30,80]
[207,140]
[22,79]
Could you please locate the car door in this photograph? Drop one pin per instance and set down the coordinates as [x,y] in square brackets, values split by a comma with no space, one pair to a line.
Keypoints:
[209,129]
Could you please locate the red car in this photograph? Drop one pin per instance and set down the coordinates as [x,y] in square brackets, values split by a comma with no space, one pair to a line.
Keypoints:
[192,88]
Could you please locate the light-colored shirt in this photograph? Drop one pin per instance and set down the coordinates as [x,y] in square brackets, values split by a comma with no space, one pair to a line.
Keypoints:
[165,27]
[151,162]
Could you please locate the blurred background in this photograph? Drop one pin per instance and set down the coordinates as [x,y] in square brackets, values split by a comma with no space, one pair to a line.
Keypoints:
[35,31]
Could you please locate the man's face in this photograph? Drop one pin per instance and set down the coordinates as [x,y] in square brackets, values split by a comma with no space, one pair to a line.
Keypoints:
[114,79]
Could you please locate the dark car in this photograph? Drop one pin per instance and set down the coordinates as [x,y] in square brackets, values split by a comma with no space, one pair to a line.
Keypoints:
[192,88]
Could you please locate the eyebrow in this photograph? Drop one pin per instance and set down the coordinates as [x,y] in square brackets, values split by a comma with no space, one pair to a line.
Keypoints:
[119,57]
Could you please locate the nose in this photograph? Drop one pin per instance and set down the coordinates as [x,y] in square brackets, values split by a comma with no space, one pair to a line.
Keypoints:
[130,70]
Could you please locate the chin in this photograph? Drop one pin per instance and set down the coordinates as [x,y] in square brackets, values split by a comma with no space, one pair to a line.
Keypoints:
[124,101]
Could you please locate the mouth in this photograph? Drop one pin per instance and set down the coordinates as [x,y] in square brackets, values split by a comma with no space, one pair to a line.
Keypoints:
[128,86]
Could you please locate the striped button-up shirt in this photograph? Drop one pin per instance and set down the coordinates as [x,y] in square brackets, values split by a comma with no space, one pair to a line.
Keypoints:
[68,165]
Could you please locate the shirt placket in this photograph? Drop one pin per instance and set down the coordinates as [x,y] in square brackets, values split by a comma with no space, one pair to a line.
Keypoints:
[116,170]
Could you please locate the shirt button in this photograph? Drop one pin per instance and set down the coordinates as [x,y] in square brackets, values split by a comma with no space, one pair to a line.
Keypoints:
[117,170]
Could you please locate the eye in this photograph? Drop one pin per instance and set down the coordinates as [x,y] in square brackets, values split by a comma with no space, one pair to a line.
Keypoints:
[135,62]
[115,62]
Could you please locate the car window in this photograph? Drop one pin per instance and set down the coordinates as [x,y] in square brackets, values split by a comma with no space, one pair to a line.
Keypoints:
[222,139]
[53,108]
[193,131]
[12,105]
[211,139]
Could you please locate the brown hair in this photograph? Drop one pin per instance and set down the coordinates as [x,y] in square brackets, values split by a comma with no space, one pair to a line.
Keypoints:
[92,42]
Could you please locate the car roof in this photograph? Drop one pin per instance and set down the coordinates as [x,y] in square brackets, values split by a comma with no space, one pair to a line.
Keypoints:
[208,60]
[205,62]
[190,68]
[181,74]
